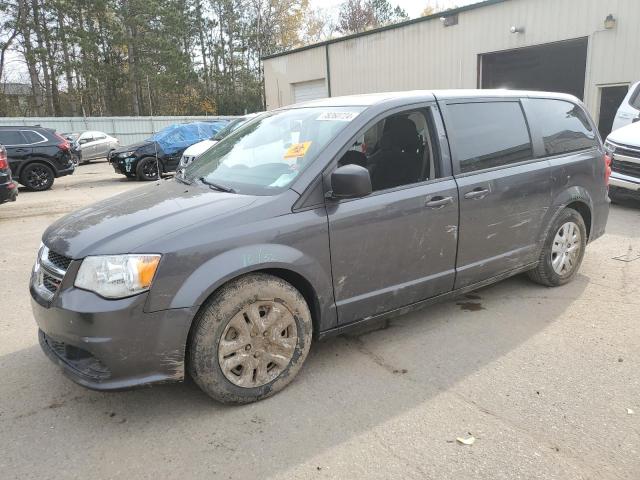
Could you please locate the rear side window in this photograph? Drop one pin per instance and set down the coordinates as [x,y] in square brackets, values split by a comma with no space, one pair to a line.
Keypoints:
[564,126]
[489,134]
[11,137]
[32,137]
[634,101]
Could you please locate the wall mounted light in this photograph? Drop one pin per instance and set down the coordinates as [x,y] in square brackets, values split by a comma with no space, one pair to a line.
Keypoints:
[515,29]
[610,22]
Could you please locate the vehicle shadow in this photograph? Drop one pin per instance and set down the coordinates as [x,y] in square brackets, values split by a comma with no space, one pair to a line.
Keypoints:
[349,385]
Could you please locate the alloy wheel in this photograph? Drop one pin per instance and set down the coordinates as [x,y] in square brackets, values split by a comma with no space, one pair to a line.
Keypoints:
[38,177]
[258,344]
[565,250]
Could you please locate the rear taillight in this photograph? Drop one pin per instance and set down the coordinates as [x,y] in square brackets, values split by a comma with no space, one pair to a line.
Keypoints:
[3,160]
[64,143]
[607,168]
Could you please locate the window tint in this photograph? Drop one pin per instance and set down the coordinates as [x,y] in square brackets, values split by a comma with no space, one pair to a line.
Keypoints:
[31,136]
[489,134]
[635,98]
[397,151]
[563,125]
[11,137]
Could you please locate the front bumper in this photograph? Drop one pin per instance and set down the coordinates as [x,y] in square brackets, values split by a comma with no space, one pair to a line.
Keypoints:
[124,166]
[626,182]
[111,344]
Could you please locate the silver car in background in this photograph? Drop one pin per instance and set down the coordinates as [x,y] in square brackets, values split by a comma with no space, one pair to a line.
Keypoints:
[92,145]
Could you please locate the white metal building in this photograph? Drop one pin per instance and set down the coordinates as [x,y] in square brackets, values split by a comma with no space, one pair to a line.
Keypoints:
[590,48]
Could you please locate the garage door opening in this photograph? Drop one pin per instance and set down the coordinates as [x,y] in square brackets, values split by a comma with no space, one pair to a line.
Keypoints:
[552,67]
[611,98]
[312,90]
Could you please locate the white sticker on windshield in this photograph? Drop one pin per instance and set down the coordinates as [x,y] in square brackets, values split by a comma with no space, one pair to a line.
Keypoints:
[337,116]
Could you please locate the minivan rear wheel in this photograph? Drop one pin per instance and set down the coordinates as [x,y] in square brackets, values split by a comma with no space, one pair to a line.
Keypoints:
[37,177]
[563,250]
[250,339]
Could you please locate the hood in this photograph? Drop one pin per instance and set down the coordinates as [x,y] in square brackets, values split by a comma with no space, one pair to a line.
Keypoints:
[629,135]
[199,148]
[123,223]
[138,146]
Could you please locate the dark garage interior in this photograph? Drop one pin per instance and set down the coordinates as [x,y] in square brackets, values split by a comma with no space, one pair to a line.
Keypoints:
[553,67]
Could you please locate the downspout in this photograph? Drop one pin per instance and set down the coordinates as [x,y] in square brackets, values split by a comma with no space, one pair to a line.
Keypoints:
[326,56]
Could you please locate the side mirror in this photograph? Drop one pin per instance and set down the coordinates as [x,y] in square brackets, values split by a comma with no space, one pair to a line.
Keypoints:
[350,181]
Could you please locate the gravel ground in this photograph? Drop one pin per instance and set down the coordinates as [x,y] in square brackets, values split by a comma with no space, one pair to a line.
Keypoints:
[541,378]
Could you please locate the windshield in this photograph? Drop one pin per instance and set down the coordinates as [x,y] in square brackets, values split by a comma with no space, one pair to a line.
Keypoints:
[266,154]
[231,126]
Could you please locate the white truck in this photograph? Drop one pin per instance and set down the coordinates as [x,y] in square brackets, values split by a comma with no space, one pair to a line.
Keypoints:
[623,146]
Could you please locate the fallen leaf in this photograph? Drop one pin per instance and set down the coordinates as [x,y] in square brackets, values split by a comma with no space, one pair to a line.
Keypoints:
[466,441]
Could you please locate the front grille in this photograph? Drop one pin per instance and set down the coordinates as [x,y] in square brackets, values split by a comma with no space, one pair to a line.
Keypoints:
[49,272]
[626,168]
[627,152]
[82,362]
[58,260]
[50,283]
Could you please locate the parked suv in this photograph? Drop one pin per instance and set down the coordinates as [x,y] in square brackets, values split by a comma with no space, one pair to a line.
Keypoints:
[36,155]
[624,147]
[629,111]
[8,188]
[313,219]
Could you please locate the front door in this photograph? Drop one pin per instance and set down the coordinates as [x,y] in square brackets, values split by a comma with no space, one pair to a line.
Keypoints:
[396,246]
[504,190]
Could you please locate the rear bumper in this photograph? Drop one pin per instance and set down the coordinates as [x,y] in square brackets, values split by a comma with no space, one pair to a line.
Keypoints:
[66,171]
[111,344]
[8,192]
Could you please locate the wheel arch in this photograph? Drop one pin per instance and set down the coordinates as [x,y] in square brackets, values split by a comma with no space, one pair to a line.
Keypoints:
[577,198]
[23,165]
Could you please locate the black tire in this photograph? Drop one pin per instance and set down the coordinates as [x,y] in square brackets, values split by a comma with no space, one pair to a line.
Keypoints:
[544,273]
[147,169]
[37,177]
[215,318]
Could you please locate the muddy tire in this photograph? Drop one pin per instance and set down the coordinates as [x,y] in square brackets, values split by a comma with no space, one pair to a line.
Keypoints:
[147,169]
[563,250]
[37,177]
[250,339]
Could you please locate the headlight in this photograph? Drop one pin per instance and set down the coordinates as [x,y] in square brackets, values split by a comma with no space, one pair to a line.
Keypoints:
[117,276]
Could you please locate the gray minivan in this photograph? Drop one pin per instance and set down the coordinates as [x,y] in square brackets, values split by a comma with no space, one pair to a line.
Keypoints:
[312,219]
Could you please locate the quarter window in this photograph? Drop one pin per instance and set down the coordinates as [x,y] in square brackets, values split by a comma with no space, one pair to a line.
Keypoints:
[564,126]
[489,134]
[11,137]
[397,151]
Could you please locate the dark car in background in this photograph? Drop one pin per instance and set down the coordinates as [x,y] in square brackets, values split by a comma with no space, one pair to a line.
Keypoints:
[314,219]
[8,188]
[36,155]
[162,151]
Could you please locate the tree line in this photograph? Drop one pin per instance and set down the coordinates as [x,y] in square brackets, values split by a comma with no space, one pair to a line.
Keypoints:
[162,57]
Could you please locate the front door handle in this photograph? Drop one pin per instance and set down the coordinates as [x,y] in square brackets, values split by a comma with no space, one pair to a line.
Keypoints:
[438,202]
[476,193]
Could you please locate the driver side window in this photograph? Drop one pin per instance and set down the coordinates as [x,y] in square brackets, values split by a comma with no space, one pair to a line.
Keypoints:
[398,150]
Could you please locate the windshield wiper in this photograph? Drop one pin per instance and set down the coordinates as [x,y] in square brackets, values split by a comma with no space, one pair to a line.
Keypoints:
[181,179]
[217,186]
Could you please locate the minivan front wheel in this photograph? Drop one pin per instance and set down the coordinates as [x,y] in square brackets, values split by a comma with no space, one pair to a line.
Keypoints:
[250,339]
[563,250]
